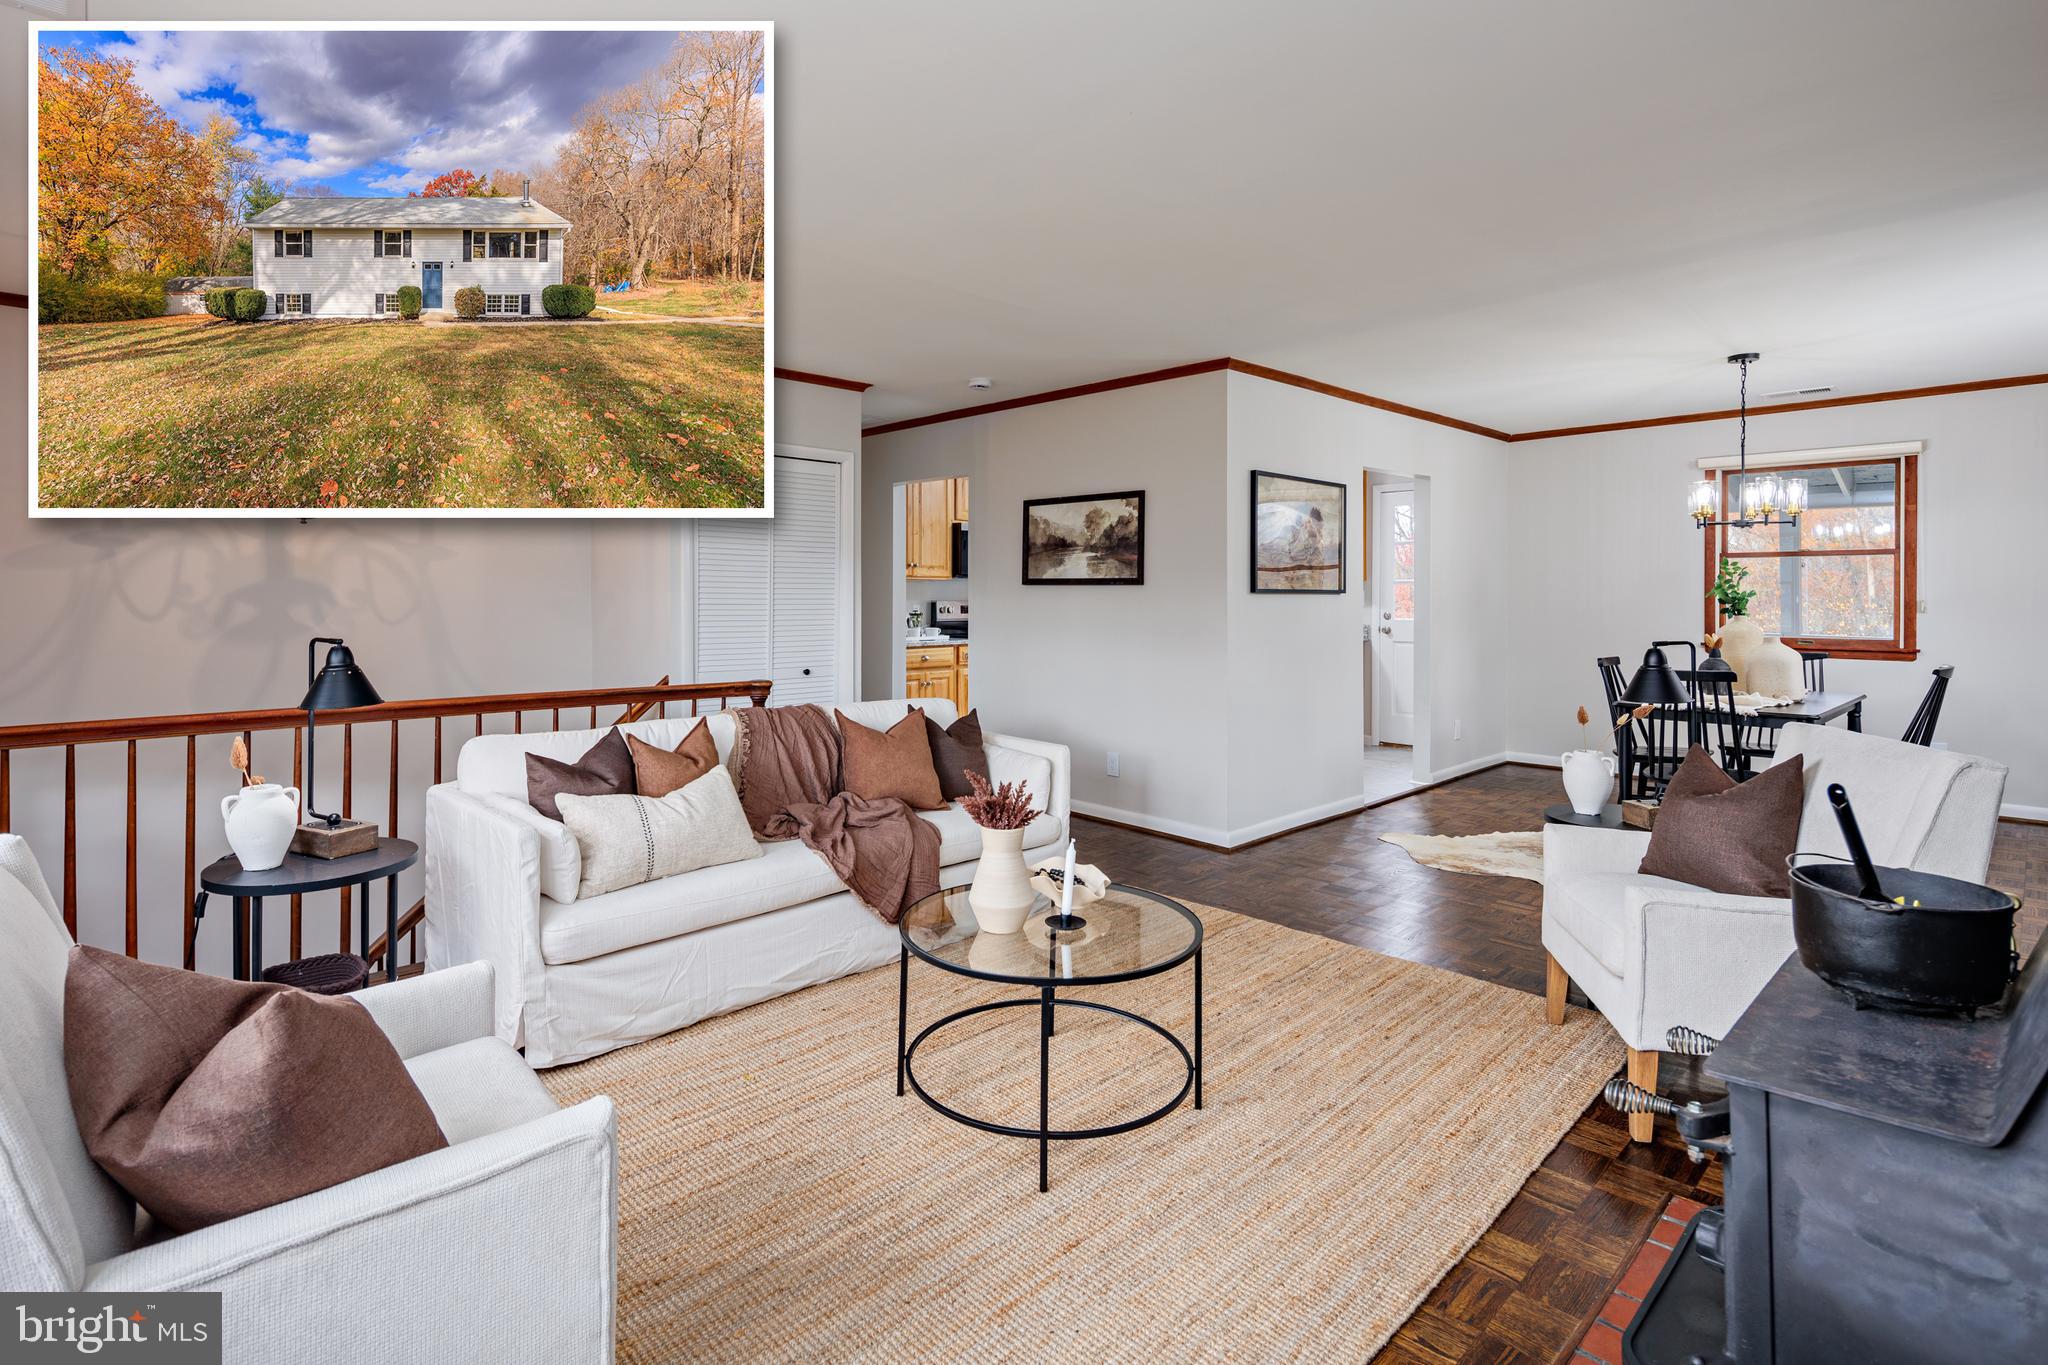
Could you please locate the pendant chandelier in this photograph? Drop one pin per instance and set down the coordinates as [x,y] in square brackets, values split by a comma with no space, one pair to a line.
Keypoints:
[1766,499]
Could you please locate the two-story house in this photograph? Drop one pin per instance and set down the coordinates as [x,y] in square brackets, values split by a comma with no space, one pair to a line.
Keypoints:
[348,257]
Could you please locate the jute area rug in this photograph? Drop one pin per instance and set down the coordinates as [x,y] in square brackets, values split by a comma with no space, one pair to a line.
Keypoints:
[1516,854]
[1366,1120]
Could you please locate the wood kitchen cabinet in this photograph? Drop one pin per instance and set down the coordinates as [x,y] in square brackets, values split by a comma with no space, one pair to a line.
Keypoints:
[936,671]
[930,507]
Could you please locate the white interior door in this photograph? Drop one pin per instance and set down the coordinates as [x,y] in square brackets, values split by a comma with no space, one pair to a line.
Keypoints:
[768,592]
[1394,546]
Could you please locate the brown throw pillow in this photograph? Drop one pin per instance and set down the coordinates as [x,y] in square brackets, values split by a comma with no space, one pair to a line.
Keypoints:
[956,752]
[606,769]
[207,1098]
[657,772]
[896,762]
[1722,835]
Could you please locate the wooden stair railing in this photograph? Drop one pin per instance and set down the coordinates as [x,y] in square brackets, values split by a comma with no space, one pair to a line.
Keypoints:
[634,703]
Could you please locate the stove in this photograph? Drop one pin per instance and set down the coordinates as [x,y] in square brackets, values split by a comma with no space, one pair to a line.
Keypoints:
[1887,1187]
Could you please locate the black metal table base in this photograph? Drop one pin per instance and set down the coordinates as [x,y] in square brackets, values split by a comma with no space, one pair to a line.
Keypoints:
[1048,1004]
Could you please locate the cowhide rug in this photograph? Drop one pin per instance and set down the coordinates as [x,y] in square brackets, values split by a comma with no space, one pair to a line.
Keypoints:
[1516,854]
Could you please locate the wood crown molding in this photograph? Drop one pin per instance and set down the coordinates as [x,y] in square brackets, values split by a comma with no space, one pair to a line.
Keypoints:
[1844,401]
[826,380]
[14,301]
[1299,381]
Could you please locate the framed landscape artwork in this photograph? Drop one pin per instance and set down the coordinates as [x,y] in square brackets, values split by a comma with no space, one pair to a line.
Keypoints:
[1099,538]
[1297,534]
[376,268]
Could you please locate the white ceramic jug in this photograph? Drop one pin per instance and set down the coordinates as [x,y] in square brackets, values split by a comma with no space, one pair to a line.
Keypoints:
[1001,895]
[1588,777]
[260,821]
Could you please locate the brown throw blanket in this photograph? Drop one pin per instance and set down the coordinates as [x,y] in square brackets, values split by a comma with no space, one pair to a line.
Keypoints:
[788,764]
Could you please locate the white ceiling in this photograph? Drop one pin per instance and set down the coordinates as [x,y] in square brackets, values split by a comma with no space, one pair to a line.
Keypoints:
[1523,215]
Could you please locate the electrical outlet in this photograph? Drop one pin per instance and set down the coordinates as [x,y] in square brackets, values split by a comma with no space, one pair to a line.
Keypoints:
[1112,764]
[1457,729]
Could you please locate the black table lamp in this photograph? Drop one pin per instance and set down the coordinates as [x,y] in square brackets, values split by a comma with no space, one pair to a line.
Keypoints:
[1656,682]
[337,686]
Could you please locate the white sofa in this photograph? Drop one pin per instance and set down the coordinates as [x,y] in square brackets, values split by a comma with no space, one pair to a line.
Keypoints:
[1652,953]
[366,1262]
[580,977]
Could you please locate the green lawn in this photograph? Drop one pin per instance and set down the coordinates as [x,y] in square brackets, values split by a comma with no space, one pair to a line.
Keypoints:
[691,298]
[191,412]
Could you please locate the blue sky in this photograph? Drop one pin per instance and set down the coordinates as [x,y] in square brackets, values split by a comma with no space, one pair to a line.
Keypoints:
[380,112]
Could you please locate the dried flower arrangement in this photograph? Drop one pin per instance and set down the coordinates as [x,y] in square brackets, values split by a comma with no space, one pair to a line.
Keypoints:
[1004,807]
[238,759]
[1585,720]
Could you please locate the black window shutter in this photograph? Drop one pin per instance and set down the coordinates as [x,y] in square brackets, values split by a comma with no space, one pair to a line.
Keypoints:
[408,243]
[308,240]
[544,244]
[525,304]
[465,244]
[278,305]
[277,242]
[376,242]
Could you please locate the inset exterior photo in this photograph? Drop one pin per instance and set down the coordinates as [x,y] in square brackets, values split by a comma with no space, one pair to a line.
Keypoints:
[1297,534]
[1095,539]
[317,269]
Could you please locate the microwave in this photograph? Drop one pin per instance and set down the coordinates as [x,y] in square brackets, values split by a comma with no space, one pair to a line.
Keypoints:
[959,549]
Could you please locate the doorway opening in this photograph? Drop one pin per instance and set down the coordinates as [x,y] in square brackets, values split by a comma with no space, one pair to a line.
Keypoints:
[1396,631]
[929,592]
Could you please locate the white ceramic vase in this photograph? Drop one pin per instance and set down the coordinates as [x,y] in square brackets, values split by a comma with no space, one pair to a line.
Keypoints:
[1588,779]
[260,821]
[1775,669]
[1001,893]
[1740,637]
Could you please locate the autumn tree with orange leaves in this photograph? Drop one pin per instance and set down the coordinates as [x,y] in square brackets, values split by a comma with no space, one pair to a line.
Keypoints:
[455,184]
[119,183]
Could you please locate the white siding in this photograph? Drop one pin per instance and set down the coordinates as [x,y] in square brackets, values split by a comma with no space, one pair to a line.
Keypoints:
[344,276]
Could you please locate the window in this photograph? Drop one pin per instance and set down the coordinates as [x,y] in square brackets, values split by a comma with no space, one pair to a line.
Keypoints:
[512,246]
[294,243]
[393,242]
[294,305]
[385,302]
[501,303]
[1845,578]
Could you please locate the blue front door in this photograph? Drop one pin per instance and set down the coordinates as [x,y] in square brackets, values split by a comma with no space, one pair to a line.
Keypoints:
[430,284]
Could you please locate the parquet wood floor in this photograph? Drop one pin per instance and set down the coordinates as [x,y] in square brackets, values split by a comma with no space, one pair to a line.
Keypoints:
[1525,1293]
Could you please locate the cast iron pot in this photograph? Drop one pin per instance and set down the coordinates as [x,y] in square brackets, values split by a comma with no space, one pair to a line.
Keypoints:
[1952,952]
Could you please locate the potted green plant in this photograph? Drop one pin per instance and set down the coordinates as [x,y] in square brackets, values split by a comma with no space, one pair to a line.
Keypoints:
[1740,636]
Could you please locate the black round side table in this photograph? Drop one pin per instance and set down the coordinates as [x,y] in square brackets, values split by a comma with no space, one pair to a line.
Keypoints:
[1563,814]
[299,875]
[1126,935]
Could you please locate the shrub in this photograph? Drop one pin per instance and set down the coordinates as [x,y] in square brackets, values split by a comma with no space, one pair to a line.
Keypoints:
[469,302]
[117,298]
[249,304]
[221,303]
[568,300]
[408,301]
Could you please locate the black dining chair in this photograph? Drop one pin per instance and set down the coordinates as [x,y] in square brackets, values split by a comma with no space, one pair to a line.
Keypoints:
[1731,741]
[1813,663]
[1657,742]
[1921,730]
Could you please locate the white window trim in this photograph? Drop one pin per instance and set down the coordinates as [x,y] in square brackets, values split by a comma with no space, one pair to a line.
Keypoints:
[297,305]
[1889,450]
[393,239]
[294,242]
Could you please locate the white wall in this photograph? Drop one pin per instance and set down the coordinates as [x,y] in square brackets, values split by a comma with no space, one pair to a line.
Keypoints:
[1296,669]
[1135,670]
[1605,560]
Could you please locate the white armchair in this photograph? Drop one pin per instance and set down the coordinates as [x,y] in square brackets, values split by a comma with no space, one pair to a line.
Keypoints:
[502,1242]
[1651,953]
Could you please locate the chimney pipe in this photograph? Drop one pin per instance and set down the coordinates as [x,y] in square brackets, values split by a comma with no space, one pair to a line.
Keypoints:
[526,191]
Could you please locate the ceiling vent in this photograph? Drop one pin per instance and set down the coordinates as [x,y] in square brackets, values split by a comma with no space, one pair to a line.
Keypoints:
[1814,391]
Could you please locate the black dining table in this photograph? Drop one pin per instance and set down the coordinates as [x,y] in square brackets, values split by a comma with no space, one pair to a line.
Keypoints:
[1815,708]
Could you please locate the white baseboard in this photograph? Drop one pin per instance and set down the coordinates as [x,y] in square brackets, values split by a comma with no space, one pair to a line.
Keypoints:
[1295,819]
[1220,838]
[1534,760]
[2010,811]
[1460,769]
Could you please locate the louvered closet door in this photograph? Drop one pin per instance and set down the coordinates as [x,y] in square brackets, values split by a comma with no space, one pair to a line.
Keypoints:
[767,602]
[804,539]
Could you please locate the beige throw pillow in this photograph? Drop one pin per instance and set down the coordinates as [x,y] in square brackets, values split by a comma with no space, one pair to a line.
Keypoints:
[626,840]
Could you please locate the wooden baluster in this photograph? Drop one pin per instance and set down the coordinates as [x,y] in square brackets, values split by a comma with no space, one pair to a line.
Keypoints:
[554,723]
[663,710]
[437,751]
[593,717]
[191,845]
[391,828]
[348,801]
[71,839]
[518,722]
[6,791]
[479,722]
[134,941]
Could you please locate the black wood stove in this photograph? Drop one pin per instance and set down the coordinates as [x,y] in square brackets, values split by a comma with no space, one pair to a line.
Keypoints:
[1887,1187]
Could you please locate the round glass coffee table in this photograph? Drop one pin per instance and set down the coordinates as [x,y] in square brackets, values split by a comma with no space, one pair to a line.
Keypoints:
[1126,935]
